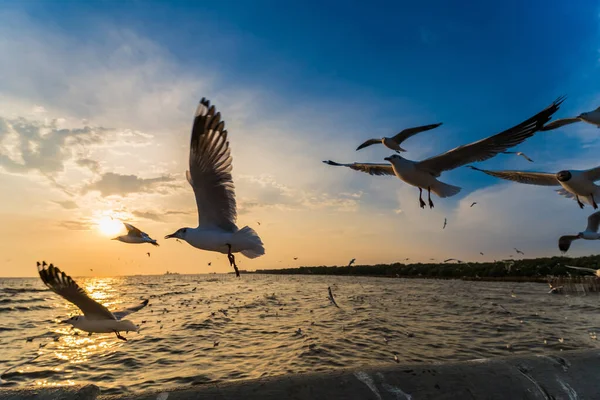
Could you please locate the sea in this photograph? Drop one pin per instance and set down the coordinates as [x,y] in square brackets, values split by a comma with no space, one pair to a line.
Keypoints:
[200,329]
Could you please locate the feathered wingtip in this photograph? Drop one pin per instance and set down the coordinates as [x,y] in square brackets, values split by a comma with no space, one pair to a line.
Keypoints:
[329,162]
[203,107]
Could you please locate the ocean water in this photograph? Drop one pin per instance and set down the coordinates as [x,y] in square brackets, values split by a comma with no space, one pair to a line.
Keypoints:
[255,321]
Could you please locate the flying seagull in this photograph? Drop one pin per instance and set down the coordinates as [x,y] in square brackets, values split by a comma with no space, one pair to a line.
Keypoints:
[394,142]
[331,297]
[591,117]
[519,153]
[351,262]
[96,318]
[593,271]
[557,289]
[424,174]
[481,253]
[453,259]
[295,258]
[518,251]
[590,233]
[210,178]
[578,184]
[472,204]
[445,221]
[148,254]
[134,235]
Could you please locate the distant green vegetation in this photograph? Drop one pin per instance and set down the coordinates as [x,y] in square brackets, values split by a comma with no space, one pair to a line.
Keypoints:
[534,269]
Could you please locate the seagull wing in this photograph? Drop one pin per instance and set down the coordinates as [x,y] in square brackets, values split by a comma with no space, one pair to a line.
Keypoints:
[133,231]
[407,133]
[566,193]
[210,169]
[560,122]
[531,178]
[592,174]
[488,147]
[123,313]
[593,222]
[371,169]
[524,156]
[582,268]
[63,285]
[368,143]
[564,242]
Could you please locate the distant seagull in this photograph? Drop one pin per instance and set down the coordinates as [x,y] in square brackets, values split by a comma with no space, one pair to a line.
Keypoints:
[351,262]
[331,297]
[590,233]
[210,177]
[473,203]
[96,318]
[258,223]
[519,153]
[591,117]
[593,271]
[215,343]
[555,289]
[445,221]
[453,259]
[575,183]
[481,253]
[394,142]
[518,251]
[178,241]
[424,174]
[91,270]
[209,263]
[148,254]
[134,235]
[295,258]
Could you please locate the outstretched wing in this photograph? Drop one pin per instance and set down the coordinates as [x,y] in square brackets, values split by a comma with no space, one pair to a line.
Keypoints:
[63,285]
[371,169]
[582,268]
[564,242]
[210,169]
[490,146]
[122,314]
[559,122]
[593,222]
[407,133]
[531,178]
[368,143]
[592,174]
[133,231]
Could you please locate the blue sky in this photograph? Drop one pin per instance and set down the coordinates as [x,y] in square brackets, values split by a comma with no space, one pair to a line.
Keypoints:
[310,81]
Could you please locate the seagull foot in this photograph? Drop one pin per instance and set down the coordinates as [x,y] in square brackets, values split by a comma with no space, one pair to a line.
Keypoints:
[580,204]
[119,336]
[430,204]
[231,259]
[422,203]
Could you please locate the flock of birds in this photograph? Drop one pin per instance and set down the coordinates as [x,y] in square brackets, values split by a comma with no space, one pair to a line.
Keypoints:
[209,174]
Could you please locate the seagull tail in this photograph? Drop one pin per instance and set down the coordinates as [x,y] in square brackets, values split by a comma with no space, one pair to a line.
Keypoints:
[445,190]
[248,239]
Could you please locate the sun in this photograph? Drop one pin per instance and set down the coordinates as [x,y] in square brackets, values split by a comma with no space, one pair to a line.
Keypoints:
[109,227]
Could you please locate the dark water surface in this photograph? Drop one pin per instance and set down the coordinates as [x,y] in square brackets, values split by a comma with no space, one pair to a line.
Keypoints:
[256,320]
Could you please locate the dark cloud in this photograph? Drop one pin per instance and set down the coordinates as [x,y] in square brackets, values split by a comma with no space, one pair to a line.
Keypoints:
[111,183]
[67,204]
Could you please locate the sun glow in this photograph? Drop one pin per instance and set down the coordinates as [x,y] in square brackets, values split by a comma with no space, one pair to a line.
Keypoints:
[109,227]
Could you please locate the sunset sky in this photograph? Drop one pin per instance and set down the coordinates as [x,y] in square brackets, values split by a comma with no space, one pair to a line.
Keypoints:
[97,100]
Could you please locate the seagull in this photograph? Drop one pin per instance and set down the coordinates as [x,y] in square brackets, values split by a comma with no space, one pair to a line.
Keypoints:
[210,178]
[519,153]
[295,258]
[96,318]
[351,262]
[209,263]
[394,142]
[134,235]
[575,183]
[472,204]
[481,253]
[555,289]
[423,174]
[590,233]
[444,227]
[331,297]
[453,259]
[518,251]
[148,254]
[593,271]
[591,117]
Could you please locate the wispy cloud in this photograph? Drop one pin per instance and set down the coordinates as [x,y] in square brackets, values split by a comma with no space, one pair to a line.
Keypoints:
[111,183]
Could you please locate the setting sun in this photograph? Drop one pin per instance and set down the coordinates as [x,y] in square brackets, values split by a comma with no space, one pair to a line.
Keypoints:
[109,227]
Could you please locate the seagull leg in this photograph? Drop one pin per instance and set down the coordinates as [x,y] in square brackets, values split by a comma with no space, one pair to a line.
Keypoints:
[429,196]
[421,202]
[579,202]
[231,259]
[119,336]
[593,201]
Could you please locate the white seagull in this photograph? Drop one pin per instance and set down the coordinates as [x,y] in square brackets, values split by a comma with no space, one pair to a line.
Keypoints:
[519,153]
[576,184]
[591,117]
[96,318]
[593,271]
[590,233]
[134,235]
[424,174]
[210,178]
[394,142]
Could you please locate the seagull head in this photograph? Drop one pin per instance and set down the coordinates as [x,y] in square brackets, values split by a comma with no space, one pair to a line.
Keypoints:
[393,158]
[564,176]
[179,234]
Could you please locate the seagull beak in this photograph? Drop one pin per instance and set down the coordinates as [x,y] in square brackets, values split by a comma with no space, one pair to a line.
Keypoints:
[387,159]
[64,321]
[172,235]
